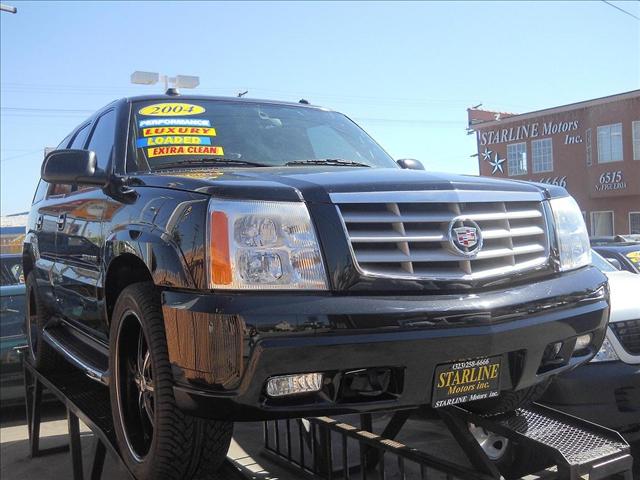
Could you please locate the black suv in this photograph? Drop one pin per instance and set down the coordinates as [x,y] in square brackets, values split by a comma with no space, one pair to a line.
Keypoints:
[213,260]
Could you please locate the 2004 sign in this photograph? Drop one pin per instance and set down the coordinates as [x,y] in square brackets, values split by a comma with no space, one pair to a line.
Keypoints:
[171,109]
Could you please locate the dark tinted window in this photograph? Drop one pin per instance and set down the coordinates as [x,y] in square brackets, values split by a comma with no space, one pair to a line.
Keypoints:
[102,138]
[80,138]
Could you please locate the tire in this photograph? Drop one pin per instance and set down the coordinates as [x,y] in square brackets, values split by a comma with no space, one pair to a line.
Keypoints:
[41,354]
[510,400]
[156,440]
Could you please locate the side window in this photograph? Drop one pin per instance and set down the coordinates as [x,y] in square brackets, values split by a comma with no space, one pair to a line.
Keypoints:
[41,191]
[102,138]
[80,138]
[65,142]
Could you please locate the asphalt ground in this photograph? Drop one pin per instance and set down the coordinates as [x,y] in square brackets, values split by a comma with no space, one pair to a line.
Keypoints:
[245,458]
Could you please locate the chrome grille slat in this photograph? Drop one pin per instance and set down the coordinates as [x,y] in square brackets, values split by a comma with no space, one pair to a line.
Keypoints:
[385,217]
[514,232]
[379,236]
[404,238]
[381,256]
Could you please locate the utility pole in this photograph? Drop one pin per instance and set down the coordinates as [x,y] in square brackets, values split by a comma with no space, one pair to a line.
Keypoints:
[8,8]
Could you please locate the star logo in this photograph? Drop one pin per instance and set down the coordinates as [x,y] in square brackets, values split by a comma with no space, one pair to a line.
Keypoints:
[486,155]
[496,163]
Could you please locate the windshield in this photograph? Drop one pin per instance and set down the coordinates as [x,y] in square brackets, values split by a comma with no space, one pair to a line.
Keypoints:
[11,270]
[164,133]
[600,263]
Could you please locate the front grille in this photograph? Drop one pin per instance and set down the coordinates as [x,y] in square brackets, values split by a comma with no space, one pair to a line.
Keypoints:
[628,334]
[406,234]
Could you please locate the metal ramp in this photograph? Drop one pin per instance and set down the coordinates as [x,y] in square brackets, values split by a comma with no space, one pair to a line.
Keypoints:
[85,400]
[326,448]
[575,446]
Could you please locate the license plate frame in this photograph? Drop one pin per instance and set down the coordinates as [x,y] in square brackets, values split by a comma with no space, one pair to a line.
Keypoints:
[466,381]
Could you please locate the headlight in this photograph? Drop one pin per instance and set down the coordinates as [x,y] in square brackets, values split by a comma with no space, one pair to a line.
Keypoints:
[263,245]
[571,232]
[606,353]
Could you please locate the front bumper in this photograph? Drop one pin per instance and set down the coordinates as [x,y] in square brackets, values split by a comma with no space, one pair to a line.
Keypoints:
[607,393]
[224,347]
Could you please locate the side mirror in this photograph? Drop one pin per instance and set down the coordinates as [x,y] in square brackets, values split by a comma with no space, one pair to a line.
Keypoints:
[410,164]
[73,167]
[615,262]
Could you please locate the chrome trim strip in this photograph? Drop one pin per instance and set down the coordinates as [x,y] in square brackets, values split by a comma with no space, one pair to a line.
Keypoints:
[624,355]
[436,196]
[92,372]
[531,266]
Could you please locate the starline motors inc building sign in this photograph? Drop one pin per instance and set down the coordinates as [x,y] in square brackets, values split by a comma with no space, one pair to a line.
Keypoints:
[591,148]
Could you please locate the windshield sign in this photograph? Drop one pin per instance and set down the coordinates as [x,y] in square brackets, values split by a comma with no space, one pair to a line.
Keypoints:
[248,133]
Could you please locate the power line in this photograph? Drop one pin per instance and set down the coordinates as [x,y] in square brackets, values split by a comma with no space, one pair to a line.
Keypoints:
[621,9]
[229,91]
[410,121]
[52,110]
[22,155]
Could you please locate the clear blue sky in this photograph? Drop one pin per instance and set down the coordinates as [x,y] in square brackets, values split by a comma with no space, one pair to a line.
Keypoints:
[405,71]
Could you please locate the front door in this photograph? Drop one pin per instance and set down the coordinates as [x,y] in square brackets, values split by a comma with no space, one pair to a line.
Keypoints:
[79,241]
[44,230]
[78,255]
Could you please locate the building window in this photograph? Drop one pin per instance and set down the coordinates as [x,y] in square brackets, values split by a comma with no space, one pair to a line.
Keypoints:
[634,223]
[610,143]
[602,224]
[588,143]
[517,158]
[636,139]
[542,155]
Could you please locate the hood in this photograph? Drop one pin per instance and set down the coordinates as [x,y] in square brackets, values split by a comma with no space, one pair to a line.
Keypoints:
[315,184]
[624,288]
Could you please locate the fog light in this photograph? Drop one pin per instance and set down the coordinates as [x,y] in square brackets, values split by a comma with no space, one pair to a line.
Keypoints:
[552,351]
[292,384]
[582,342]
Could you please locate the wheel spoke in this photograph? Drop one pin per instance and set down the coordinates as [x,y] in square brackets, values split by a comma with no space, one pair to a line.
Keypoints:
[141,404]
[145,417]
[140,356]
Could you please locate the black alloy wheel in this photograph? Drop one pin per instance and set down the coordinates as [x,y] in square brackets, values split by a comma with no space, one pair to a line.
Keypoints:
[134,386]
[156,439]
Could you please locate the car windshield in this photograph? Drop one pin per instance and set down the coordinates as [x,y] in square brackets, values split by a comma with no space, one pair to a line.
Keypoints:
[11,270]
[233,133]
[12,308]
[600,263]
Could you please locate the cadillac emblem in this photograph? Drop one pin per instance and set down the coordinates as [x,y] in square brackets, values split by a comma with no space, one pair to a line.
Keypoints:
[465,236]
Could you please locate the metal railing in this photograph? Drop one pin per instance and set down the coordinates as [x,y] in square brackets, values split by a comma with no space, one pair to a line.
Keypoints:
[329,449]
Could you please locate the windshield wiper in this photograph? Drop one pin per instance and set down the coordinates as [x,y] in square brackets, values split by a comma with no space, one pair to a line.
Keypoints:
[207,161]
[328,161]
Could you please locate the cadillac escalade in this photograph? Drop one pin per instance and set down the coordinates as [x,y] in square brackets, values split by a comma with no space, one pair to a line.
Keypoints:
[213,260]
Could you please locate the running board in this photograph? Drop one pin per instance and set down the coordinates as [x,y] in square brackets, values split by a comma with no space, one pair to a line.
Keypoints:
[64,343]
[576,446]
